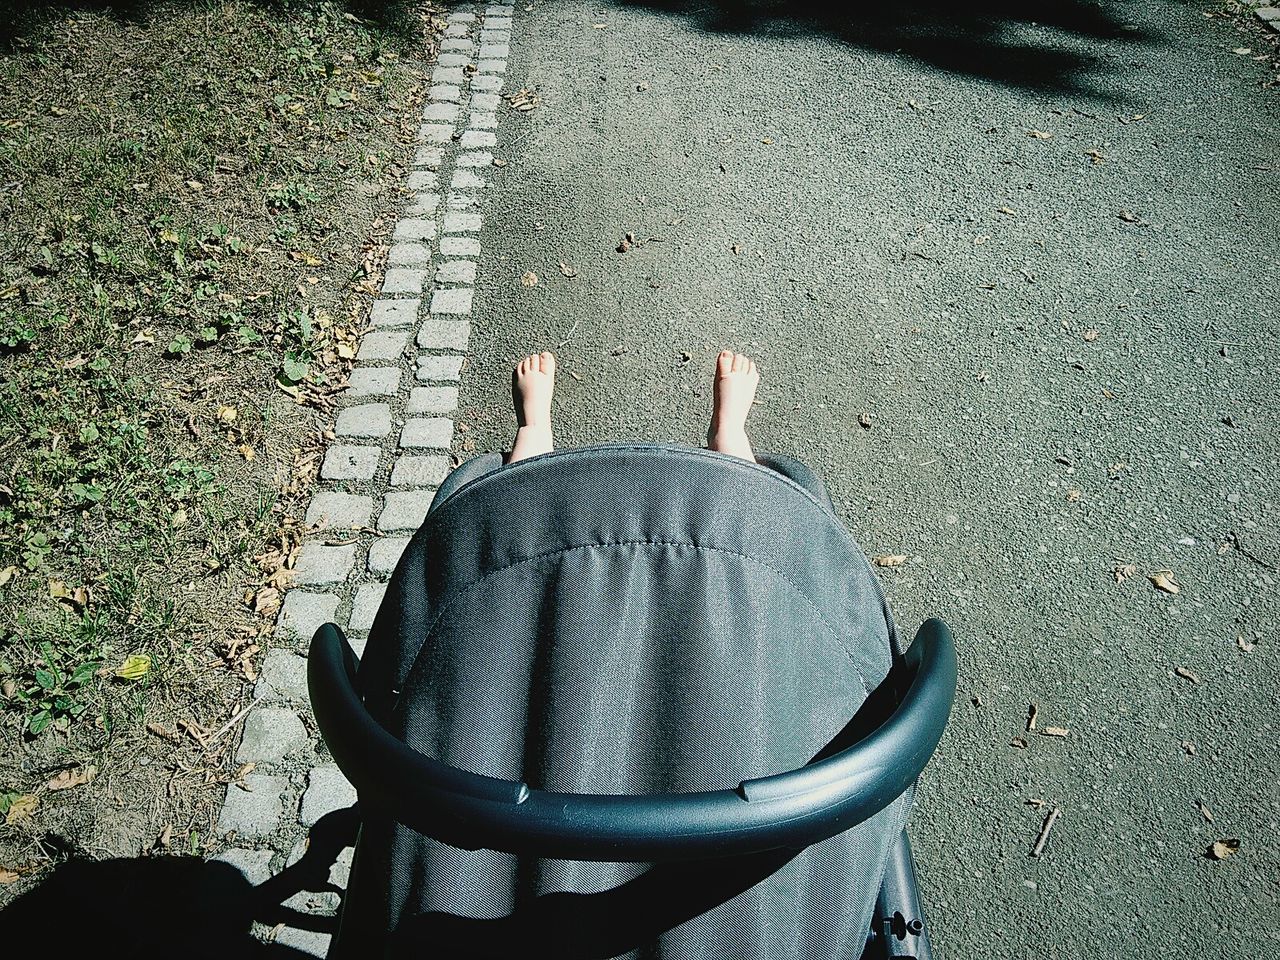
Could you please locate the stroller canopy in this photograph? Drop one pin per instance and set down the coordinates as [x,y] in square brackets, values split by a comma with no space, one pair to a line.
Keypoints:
[625,619]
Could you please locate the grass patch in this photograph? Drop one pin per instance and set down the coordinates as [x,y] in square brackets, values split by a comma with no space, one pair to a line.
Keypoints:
[190,206]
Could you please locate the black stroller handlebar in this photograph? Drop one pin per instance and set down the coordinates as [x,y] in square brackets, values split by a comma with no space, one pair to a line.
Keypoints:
[793,809]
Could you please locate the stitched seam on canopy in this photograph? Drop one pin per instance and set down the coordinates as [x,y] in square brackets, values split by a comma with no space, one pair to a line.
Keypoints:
[458,594]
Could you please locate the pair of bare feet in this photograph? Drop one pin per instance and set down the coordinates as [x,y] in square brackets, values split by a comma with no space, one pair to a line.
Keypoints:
[533,382]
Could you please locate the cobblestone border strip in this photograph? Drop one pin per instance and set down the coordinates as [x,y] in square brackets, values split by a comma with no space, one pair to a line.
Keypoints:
[393,433]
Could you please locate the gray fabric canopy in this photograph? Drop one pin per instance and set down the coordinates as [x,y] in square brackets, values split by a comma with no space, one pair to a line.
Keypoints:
[623,619]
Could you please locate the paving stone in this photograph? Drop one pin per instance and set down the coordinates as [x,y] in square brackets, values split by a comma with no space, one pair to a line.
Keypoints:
[494,51]
[456,30]
[432,400]
[460,247]
[443,113]
[436,133]
[478,138]
[1270,16]
[465,180]
[462,222]
[304,613]
[283,677]
[404,280]
[271,733]
[457,43]
[382,345]
[448,75]
[485,102]
[253,810]
[423,205]
[394,313]
[254,864]
[312,943]
[497,23]
[486,81]
[462,18]
[478,158]
[415,228]
[327,790]
[321,564]
[437,333]
[439,368]
[350,463]
[385,553]
[365,420]
[405,510]
[429,157]
[488,121]
[446,91]
[456,271]
[409,255]
[463,201]
[373,381]
[316,902]
[452,60]
[421,180]
[418,471]
[454,300]
[491,66]
[364,608]
[339,510]
[434,432]
[340,872]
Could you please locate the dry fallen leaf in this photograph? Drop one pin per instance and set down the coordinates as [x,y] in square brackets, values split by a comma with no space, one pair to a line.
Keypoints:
[890,560]
[1129,217]
[1039,134]
[529,278]
[1033,711]
[1189,748]
[1123,572]
[1054,732]
[1073,495]
[1095,155]
[21,807]
[166,836]
[7,875]
[73,778]
[1091,335]
[566,270]
[135,667]
[1241,51]
[1019,742]
[1186,674]
[1204,810]
[1163,580]
[1222,849]
[1245,645]
[864,421]
[1007,211]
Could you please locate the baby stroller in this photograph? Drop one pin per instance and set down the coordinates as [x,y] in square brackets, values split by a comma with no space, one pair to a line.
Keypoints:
[633,700]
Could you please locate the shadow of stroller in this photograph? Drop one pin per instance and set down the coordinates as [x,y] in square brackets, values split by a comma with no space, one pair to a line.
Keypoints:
[164,907]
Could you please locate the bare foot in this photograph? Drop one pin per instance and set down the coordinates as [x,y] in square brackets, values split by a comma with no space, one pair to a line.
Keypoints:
[533,381]
[736,380]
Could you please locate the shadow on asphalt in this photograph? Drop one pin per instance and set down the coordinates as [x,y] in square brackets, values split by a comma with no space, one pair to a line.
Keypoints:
[1033,46]
[25,20]
[158,908]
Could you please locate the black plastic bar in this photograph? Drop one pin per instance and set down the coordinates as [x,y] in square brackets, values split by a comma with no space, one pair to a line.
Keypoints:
[792,809]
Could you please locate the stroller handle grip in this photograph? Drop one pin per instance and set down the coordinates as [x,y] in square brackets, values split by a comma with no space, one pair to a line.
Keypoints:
[793,809]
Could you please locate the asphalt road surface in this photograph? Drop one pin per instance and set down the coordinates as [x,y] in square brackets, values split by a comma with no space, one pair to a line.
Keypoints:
[1042,258]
